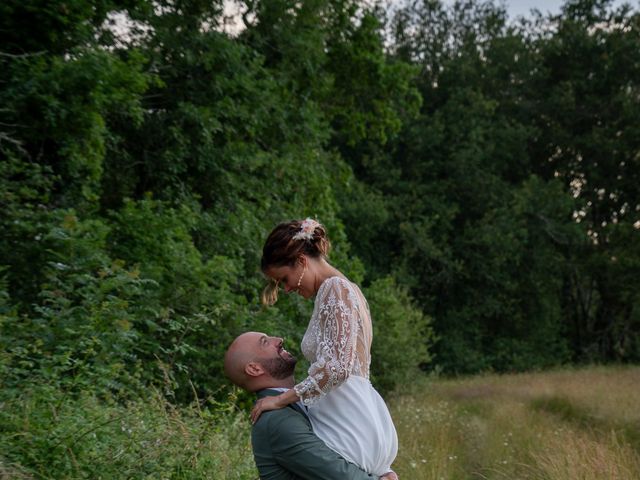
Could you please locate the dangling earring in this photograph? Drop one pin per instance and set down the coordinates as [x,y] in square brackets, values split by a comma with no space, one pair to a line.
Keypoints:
[301,275]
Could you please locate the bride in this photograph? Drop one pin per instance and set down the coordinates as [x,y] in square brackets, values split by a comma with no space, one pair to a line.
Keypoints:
[346,412]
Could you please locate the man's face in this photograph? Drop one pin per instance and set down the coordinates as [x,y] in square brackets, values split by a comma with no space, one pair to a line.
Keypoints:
[269,353]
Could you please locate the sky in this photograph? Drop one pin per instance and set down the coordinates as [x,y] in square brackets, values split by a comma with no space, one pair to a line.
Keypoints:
[515,8]
[523,7]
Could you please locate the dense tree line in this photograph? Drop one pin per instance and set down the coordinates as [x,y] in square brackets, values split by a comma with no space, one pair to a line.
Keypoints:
[478,176]
[521,182]
[142,170]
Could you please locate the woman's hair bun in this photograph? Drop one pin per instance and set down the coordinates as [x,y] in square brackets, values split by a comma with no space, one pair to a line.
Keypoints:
[321,241]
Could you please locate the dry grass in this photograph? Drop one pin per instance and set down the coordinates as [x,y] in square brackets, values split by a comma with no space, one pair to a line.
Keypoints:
[564,425]
[577,455]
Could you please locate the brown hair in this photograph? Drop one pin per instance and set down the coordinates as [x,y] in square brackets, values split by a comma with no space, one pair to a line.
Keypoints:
[281,249]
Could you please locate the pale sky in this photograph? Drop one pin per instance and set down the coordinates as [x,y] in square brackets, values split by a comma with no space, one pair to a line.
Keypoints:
[523,7]
[515,8]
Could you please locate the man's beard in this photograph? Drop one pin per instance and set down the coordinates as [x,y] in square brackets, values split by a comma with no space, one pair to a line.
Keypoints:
[279,368]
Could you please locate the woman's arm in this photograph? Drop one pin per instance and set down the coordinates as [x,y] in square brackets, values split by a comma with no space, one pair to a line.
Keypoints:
[337,336]
[273,403]
[336,353]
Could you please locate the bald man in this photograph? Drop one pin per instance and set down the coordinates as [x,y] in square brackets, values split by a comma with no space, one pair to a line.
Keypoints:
[284,445]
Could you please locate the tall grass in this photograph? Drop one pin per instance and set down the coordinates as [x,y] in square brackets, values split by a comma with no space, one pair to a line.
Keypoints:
[565,425]
[46,435]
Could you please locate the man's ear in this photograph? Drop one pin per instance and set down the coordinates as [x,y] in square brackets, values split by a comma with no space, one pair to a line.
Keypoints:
[253,369]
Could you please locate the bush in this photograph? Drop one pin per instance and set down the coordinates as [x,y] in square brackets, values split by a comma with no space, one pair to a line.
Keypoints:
[402,335]
[44,433]
[81,333]
[196,309]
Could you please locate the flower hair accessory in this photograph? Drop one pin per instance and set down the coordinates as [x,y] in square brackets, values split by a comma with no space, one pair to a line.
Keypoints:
[307,228]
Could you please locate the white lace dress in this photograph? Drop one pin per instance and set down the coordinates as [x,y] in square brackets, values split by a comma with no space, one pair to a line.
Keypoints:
[345,410]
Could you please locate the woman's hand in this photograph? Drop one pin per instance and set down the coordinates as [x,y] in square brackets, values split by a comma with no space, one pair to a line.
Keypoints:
[389,476]
[265,404]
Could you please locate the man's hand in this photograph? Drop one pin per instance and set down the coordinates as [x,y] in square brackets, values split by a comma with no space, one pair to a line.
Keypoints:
[389,476]
[264,405]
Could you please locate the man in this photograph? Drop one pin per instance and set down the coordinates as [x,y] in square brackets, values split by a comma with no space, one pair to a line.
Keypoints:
[284,445]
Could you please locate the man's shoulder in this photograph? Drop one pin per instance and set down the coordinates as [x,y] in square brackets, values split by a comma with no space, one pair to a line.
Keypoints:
[277,430]
[275,420]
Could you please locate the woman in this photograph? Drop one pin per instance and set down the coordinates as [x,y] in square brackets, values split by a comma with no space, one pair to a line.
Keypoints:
[344,408]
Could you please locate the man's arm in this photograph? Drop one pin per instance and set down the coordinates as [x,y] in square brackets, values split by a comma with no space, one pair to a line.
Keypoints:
[297,449]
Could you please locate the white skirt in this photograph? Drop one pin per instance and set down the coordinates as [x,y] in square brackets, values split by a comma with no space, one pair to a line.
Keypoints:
[354,421]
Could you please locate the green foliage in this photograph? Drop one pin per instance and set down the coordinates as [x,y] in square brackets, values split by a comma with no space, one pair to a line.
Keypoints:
[402,335]
[60,26]
[86,437]
[481,176]
[195,311]
[80,334]
[66,100]
[370,94]
[495,204]
[590,139]
[25,190]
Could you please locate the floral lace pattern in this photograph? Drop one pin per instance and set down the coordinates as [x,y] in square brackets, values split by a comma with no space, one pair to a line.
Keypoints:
[338,339]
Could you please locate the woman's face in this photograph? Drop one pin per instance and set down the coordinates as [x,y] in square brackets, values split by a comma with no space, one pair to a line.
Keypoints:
[293,279]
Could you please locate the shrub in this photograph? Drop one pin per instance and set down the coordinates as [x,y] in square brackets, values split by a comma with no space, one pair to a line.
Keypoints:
[44,433]
[402,335]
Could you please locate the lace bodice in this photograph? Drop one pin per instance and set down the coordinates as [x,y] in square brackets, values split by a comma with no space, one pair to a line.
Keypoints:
[338,339]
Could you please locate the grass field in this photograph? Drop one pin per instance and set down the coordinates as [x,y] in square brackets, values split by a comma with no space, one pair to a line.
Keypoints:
[564,425]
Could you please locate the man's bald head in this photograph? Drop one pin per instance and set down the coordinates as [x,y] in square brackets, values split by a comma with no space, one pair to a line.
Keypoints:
[255,361]
[238,355]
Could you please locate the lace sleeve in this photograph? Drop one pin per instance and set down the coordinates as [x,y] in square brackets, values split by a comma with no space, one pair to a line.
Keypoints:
[337,336]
